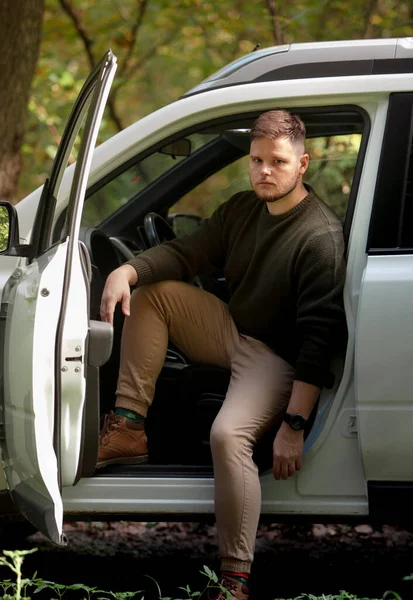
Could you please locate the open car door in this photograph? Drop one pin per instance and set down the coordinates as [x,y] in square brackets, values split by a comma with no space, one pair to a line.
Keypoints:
[44,330]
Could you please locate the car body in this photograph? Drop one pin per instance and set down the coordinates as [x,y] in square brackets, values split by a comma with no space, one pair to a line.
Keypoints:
[59,362]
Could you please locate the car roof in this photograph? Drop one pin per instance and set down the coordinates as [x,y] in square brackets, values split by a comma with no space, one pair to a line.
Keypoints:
[314,59]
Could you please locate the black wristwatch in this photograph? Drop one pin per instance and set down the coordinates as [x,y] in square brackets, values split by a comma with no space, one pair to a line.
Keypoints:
[296,422]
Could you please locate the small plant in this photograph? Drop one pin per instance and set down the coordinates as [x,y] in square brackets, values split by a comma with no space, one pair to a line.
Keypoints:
[13,559]
[18,589]
[342,595]
[212,583]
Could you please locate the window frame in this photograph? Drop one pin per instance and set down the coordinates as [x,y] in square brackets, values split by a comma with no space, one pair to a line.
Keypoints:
[386,222]
[117,224]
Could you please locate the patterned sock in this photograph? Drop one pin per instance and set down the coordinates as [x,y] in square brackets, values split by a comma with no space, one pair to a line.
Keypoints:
[241,577]
[131,415]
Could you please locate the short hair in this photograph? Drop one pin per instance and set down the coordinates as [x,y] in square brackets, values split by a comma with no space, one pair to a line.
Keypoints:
[279,123]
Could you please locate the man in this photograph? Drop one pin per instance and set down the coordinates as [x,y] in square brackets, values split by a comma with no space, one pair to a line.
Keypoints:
[282,252]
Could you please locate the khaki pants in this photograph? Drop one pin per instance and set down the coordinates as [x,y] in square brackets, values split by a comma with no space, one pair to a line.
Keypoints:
[200,325]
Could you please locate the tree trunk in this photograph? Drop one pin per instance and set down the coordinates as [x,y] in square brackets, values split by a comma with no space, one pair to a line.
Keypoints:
[20,32]
[275,23]
[369,9]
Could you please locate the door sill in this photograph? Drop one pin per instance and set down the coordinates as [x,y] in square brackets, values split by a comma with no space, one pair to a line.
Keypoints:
[148,470]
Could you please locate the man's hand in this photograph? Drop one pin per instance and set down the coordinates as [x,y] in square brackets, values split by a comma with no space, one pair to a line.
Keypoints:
[117,289]
[287,452]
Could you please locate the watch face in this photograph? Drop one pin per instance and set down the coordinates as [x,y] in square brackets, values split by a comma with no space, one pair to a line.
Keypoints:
[297,422]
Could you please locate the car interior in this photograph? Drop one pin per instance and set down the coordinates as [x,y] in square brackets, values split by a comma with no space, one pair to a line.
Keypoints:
[164,192]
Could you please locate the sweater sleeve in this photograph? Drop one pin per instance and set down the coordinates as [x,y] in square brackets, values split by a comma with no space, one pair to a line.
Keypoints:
[320,278]
[185,257]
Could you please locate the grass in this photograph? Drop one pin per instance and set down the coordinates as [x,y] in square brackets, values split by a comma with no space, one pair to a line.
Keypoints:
[20,587]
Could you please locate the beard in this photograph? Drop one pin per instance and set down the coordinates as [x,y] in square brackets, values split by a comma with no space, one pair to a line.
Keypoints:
[276,192]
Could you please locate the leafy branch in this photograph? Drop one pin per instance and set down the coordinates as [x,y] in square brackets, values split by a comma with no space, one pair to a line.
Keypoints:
[130,69]
[133,36]
[75,16]
[128,65]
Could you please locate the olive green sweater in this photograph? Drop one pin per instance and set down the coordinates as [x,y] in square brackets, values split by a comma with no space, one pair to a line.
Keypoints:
[285,275]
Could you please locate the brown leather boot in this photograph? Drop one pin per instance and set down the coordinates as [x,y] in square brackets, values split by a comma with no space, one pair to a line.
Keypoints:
[122,442]
[236,590]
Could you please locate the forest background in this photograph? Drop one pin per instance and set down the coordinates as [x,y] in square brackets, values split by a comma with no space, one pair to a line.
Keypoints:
[164,47]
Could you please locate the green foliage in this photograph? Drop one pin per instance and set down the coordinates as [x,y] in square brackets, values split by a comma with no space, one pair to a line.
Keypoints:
[13,559]
[343,595]
[165,47]
[4,228]
[17,590]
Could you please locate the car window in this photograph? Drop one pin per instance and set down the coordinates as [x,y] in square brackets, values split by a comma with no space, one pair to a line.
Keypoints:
[330,173]
[134,180]
[218,188]
[331,168]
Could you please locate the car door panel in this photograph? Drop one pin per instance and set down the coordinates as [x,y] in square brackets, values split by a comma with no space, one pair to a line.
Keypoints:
[384,328]
[45,327]
[384,375]
[32,306]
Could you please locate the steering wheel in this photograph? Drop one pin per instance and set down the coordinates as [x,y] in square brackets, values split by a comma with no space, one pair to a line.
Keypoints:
[157,229]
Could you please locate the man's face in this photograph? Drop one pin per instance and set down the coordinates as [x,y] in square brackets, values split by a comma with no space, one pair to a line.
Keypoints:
[276,167]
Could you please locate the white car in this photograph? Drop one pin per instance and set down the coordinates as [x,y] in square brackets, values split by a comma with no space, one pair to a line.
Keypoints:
[59,362]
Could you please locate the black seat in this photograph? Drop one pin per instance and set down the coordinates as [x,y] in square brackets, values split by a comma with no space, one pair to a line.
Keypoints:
[180,419]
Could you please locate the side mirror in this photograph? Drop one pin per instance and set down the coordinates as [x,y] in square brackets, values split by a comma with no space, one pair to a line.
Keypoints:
[9,230]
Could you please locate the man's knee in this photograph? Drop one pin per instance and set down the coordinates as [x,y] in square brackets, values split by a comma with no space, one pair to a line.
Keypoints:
[226,439]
